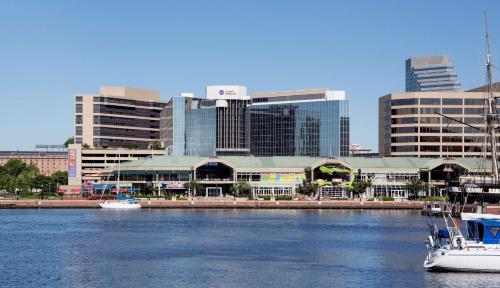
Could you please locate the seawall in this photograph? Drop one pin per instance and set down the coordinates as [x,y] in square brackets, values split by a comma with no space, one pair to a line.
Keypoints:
[229,204]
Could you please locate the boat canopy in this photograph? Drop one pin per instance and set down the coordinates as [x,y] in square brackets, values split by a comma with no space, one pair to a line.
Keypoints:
[479,217]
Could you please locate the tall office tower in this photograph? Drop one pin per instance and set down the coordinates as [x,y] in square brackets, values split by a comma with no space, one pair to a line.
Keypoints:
[118,117]
[409,125]
[215,125]
[434,73]
[300,123]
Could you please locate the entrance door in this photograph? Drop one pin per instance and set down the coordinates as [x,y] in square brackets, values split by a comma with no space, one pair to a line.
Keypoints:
[213,191]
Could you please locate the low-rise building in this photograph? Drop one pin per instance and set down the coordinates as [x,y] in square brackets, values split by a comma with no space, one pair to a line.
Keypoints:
[47,162]
[277,176]
[89,165]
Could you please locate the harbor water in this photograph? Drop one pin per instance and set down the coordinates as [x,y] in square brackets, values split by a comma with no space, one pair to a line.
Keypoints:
[219,248]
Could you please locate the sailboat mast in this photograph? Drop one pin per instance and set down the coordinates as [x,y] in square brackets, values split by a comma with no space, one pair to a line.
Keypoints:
[490,116]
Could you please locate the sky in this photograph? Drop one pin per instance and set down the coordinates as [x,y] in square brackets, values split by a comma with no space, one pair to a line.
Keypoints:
[52,50]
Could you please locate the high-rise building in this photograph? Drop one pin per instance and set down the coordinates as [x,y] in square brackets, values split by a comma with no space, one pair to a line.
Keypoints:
[300,123]
[433,73]
[214,125]
[409,125]
[226,122]
[118,117]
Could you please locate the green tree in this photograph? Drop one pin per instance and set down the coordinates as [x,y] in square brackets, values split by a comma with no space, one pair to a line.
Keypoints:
[359,187]
[60,178]
[14,167]
[194,186]
[70,140]
[7,183]
[85,146]
[240,187]
[307,189]
[414,187]
[156,145]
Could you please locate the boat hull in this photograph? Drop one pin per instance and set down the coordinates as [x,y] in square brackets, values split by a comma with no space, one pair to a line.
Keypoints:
[472,260]
[119,205]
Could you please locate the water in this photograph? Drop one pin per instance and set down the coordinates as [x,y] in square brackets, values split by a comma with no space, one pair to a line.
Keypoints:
[218,248]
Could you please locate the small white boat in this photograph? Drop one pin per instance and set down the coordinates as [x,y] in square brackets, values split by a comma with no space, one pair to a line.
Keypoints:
[479,251]
[120,204]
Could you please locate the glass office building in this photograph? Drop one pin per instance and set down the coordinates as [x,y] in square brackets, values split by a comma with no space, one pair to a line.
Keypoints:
[292,123]
[300,123]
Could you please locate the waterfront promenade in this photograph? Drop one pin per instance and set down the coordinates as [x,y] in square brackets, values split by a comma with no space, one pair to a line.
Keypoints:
[204,203]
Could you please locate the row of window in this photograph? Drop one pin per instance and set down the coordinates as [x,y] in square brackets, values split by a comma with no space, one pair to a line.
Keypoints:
[438,101]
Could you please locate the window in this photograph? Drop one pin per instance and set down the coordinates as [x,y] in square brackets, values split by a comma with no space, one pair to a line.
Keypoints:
[452,139]
[400,102]
[407,120]
[429,148]
[78,119]
[452,101]
[430,120]
[404,148]
[404,111]
[452,111]
[429,139]
[452,129]
[474,111]
[430,110]
[430,101]
[430,129]
[474,101]
[404,130]
[78,130]
[404,139]
[79,108]
[78,98]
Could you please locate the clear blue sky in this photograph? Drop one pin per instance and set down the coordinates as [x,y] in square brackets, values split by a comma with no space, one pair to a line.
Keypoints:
[51,50]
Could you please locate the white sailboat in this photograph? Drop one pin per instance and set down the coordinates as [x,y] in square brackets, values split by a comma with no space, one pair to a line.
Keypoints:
[120,202]
[477,250]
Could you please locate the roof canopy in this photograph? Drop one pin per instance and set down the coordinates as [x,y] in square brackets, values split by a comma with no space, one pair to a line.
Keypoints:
[300,163]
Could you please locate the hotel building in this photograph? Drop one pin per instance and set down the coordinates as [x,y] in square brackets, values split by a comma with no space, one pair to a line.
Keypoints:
[228,122]
[118,117]
[410,126]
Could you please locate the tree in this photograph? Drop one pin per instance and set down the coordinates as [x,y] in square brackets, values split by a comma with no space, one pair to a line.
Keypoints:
[193,185]
[307,189]
[60,178]
[156,145]
[7,183]
[70,140]
[240,187]
[359,187]
[414,187]
[14,167]
[85,146]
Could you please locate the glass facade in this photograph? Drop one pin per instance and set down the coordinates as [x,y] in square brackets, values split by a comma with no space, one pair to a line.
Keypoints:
[318,128]
[179,125]
[223,127]
[200,129]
